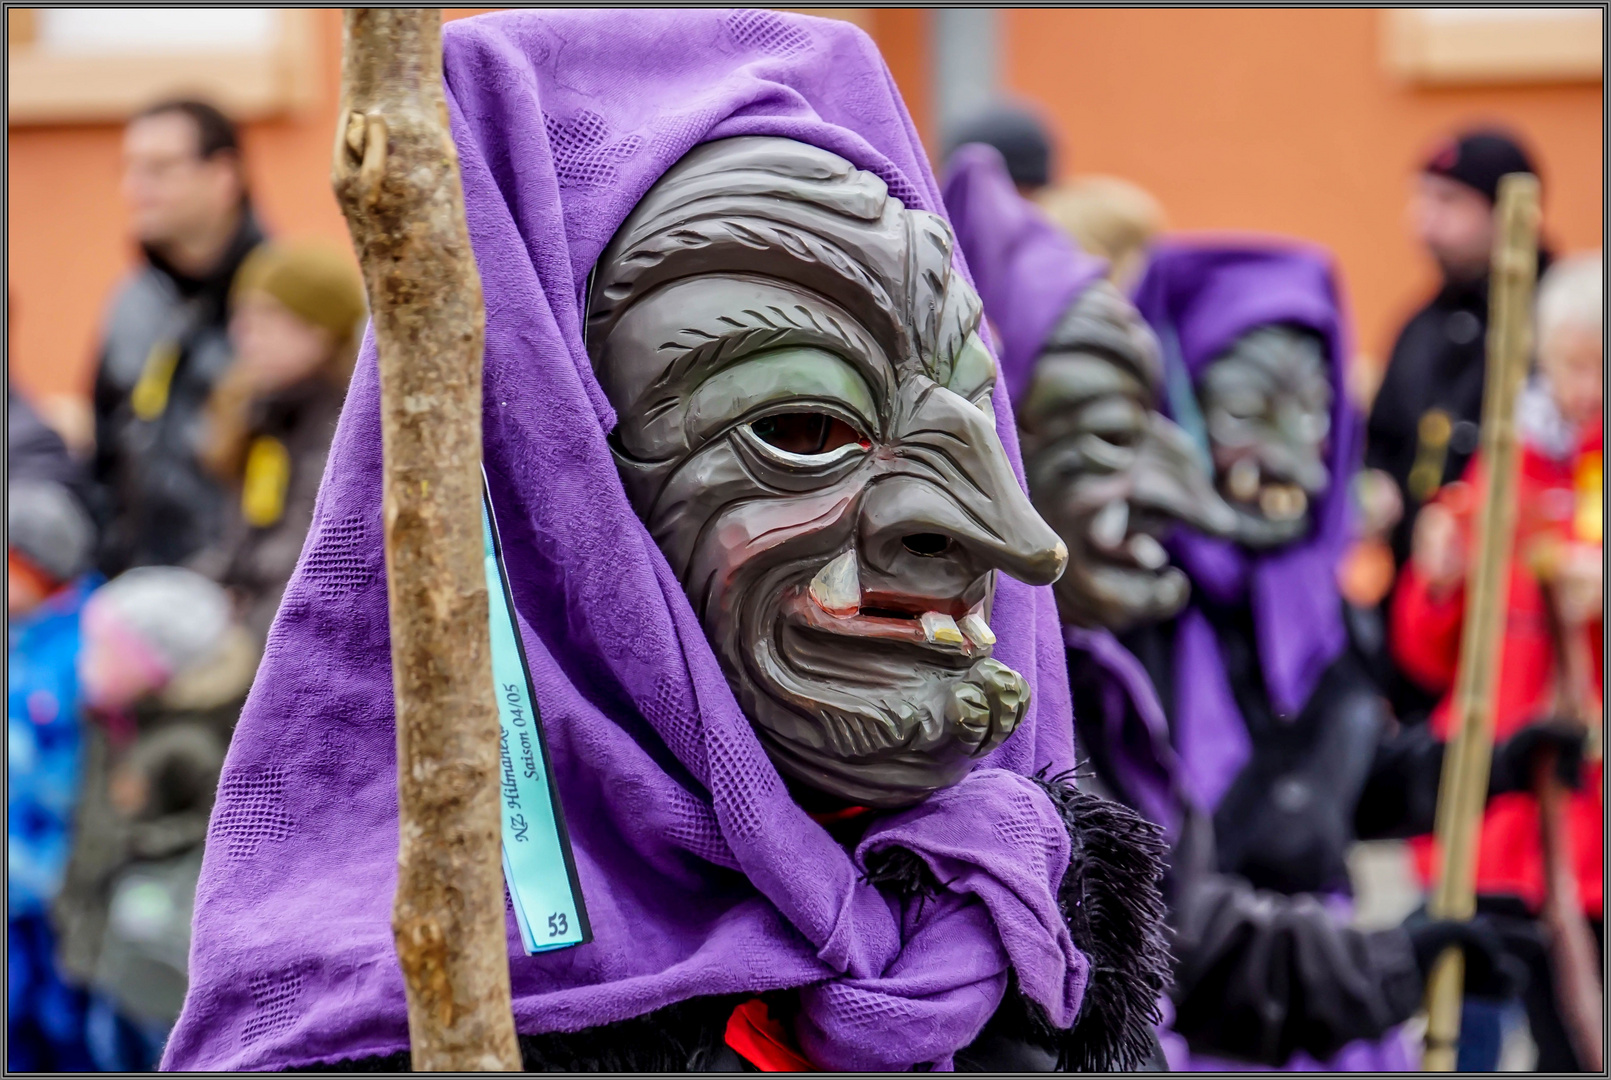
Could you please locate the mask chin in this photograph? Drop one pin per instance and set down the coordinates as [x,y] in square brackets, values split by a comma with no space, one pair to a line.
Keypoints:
[1118,598]
[958,720]
[878,742]
[1256,531]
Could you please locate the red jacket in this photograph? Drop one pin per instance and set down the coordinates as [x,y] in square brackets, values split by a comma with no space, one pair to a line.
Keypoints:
[1554,499]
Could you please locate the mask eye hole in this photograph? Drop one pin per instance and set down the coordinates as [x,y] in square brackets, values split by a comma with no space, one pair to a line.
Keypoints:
[805,434]
[927,545]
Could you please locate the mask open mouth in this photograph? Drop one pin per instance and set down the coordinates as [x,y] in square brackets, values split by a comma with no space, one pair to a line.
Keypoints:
[834,603]
[1126,539]
[1276,498]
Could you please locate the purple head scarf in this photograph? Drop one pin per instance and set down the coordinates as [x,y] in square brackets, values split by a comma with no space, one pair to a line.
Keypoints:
[700,874]
[1200,295]
[1028,271]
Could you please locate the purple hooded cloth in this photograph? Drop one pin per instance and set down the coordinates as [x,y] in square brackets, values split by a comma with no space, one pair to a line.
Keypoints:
[1392,1053]
[1200,295]
[1027,270]
[700,874]
[1133,726]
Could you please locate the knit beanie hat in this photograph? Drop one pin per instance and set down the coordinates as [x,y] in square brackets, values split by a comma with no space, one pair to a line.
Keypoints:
[1018,135]
[180,616]
[1478,159]
[46,524]
[317,283]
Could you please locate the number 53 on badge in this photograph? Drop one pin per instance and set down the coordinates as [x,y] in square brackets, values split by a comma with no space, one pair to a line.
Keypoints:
[537,862]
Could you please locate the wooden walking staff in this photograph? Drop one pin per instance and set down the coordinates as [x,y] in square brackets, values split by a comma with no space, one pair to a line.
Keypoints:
[1574,956]
[1463,787]
[396,176]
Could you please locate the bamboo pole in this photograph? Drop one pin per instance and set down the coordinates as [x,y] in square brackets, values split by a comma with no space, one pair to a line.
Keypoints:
[1463,787]
[396,177]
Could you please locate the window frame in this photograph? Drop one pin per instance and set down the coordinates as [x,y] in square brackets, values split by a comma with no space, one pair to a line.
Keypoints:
[45,88]
[1476,46]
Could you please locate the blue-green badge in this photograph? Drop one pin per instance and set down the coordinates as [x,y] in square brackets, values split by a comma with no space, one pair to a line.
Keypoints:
[537,861]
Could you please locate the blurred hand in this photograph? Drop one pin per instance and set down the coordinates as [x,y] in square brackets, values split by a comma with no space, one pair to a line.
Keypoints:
[1517,758]
[1490,972]
[1366,572]
[1438,549]
[274,348]
[1580,584]
[1381,505]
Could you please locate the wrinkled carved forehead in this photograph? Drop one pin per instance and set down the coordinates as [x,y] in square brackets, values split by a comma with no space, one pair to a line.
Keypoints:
[1104,324]
[1273,356]
[774,208]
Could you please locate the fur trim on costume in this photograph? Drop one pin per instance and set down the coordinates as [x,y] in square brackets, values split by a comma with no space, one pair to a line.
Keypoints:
[1112,897]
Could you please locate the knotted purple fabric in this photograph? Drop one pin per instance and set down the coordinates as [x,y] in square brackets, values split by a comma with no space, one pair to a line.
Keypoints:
[700,874]
[1200,295]
[1028,271]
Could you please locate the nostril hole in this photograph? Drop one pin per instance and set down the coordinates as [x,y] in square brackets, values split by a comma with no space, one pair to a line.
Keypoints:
[926,544]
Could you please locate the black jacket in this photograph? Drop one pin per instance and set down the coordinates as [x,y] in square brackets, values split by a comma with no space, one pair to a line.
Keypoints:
[1263,968]
[1437,363]
[159,503]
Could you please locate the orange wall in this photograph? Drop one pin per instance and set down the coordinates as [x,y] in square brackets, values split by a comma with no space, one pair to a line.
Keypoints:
[68,245]
[903,37]
[1277,119]
[68,241]
[1285,121]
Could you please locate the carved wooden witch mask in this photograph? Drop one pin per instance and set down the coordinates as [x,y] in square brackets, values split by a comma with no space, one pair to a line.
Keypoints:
[1109,473]
[806,428]
[1267,407]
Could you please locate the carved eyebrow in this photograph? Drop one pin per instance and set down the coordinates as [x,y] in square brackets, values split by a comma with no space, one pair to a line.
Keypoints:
[700,352]
[741,244]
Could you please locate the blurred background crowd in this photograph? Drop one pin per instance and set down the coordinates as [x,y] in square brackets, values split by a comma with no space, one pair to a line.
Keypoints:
[183,317]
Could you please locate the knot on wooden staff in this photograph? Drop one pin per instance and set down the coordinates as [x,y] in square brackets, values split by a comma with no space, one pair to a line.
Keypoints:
[363,147]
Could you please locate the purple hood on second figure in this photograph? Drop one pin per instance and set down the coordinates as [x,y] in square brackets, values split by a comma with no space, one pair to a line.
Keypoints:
[1027,270]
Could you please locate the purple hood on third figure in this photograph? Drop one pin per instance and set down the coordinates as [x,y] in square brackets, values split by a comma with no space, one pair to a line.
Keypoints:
[1200,295]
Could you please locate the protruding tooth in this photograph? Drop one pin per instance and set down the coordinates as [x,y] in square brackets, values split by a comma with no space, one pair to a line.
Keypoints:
[1243,480]
[940,629]
[977,629]
[1148,552]
[837,587]
[1283,502]
[1109,524]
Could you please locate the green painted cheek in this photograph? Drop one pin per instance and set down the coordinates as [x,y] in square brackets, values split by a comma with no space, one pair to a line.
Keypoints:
[975,370]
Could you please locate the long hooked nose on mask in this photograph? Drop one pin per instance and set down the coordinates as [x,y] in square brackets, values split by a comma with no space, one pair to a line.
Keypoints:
[953,484]
[1172,480]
